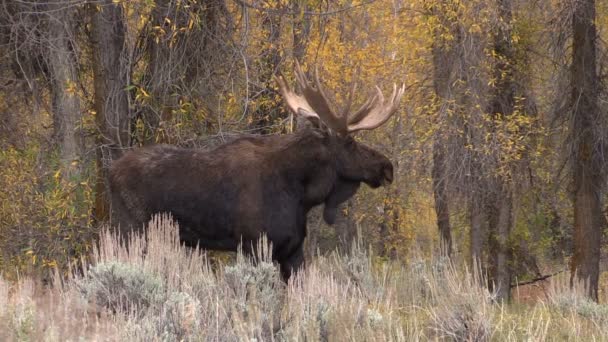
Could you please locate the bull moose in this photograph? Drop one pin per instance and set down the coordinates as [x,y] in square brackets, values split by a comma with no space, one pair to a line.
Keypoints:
[258,184]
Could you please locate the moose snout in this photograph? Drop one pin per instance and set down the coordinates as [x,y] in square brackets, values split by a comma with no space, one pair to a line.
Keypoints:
[387,174]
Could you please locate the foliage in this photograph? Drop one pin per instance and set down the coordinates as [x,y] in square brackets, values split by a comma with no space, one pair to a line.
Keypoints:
[45,216]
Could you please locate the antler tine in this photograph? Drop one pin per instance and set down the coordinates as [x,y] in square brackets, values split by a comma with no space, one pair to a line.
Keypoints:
[375,112]
[365,108]
[318,101]
[296,103]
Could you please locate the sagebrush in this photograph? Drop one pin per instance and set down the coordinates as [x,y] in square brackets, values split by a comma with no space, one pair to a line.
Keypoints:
[159,290]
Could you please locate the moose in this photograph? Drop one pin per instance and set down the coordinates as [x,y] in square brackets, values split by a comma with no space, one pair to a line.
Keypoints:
[258,185]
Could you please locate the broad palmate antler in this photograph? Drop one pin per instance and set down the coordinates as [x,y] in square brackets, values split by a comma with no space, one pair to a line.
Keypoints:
[314,102]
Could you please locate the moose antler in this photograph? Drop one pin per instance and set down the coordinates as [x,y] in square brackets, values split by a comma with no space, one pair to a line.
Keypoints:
[375,112]
[314,102]
[317,99]
[296,103]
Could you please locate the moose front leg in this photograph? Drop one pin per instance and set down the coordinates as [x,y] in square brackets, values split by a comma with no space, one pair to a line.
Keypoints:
[292,264]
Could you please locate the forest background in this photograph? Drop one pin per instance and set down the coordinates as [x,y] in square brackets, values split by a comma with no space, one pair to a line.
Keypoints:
[499,145]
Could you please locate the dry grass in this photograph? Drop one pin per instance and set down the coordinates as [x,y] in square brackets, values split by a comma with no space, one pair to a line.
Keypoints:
[157,290]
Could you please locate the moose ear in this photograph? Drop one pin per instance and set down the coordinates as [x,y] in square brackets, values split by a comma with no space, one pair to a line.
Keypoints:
[305,119]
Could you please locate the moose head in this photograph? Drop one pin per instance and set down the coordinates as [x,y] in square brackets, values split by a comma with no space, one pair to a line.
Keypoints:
[354,161]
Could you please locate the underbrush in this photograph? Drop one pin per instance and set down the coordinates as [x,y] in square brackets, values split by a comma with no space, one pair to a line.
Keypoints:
[158,290]
[45,216]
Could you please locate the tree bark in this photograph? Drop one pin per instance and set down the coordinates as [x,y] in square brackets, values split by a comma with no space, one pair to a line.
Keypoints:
[501,270]
[348,233]
[442,53]
[501,105]
[391,218]
[587,173]
[268,109]
[159,78]
[184,61]
[110,78]
[440,193]
[477,232]
[64,78]
[301,30]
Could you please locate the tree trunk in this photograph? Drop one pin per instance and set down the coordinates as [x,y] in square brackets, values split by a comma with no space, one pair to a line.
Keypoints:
[268,109]
[587,173]
[64,80]
[184,62]
[301,30]
[443,52]
[391,218]
[110,78]
[501,105]
[348,233]
[440,193]
[501,270]
[389,225]
[158,78]
[477,233]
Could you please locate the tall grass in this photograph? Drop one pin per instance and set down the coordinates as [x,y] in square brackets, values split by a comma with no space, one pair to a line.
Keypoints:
[158,290]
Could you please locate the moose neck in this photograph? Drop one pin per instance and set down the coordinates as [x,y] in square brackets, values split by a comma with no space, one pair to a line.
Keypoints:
[306,158]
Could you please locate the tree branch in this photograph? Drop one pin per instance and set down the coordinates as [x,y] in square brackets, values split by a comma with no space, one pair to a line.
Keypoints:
[541,278]
[282,12]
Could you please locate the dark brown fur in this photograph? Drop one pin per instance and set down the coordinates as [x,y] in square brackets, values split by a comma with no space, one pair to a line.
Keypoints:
[242,189]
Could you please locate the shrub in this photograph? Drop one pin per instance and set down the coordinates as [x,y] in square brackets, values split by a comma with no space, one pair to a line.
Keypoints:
[572,300]
[180,316]
[260,281]
[120,286]
[45,219]
[462,309]
[256,292]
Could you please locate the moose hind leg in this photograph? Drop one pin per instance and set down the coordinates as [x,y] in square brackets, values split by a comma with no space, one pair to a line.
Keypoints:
[122,220]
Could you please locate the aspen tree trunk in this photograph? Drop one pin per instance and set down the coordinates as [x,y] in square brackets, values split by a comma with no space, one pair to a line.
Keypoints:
[110,72]
[440,194]
[268,111]
[301,30]
[158,77]
[181,62]
[587,173]
[441,83]
[477,232]
[391,221]
[501,270]
[64,79]
[502,105]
